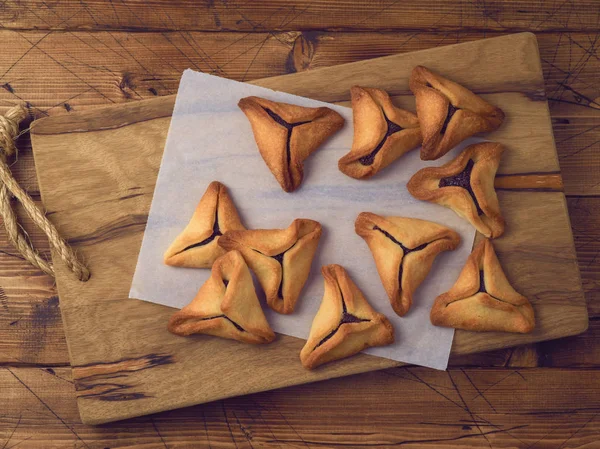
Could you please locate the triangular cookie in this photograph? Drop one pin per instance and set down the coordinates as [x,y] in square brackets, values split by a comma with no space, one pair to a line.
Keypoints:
[404,250]
[345,324]
[197,245]
[382,133]
[225,306]
[280,258]
[465,185]
[448,112]
[287,134]
[482,299]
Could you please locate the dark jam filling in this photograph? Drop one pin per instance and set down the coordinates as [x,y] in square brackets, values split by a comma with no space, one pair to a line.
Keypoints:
[346,318]
[404,248]
[481,282]
[289,127]
[451,111]
[482,288]
[237,326]
[225,282]
[216,233]
[393,239]
[391,129]
[463,179]
[279,258]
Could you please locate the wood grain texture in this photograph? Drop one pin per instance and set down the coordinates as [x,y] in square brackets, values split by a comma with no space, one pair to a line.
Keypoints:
[242,15]
[577,136]
[577,351]
[585,220]
[103,211]
[461,408]
[87,69]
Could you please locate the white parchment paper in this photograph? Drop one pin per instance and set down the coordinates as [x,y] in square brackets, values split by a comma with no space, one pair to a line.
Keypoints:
[211,139]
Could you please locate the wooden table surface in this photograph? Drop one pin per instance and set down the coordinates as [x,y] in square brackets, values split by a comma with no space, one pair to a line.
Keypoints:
[71,55]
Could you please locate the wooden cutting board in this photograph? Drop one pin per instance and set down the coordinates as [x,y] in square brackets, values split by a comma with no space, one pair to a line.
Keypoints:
[97,171]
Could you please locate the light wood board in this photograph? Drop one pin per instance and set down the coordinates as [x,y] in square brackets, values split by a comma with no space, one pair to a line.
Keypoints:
[97,171]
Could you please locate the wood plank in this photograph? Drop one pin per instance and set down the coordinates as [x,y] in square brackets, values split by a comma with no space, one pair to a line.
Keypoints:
[577,351]
[585,221]
[523,356]
[460,408]
[577,135]
[105,67]
[86,68]
[248,16]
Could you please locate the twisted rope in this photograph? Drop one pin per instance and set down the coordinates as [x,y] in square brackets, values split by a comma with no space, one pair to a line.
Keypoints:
[9,131]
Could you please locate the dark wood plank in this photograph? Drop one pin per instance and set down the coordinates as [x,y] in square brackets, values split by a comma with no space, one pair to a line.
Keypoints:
[523,356]
[478,408]
[578,351]
[100,68]
[585,222]
[577,135]
[249,16]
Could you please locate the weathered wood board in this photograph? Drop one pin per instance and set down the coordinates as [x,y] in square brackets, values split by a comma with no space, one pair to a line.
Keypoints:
[97,171]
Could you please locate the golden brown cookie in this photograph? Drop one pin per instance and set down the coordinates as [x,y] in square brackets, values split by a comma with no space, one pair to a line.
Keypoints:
[225,306]
[482,299]
[404,250]
[345,324]
[382,133]
[280,258]
[287,134]
[465,185]
[197,245]
[449,112]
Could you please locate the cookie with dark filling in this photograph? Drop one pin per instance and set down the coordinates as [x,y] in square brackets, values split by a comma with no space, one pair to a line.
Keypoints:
[465,185]
[197,245]
[482,298]
[449,113]
[287,134]
[280,258]
[382,133]
[226,306]
[345,323]
[404,250]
